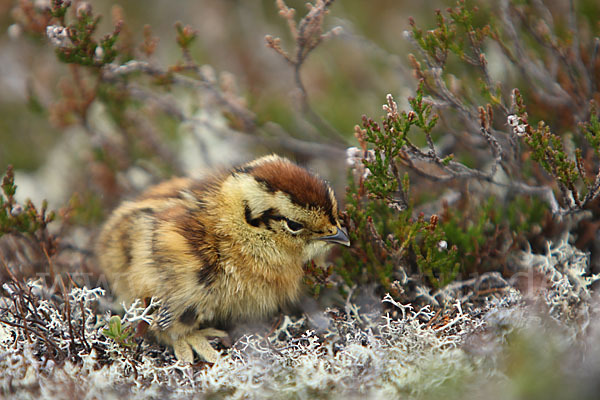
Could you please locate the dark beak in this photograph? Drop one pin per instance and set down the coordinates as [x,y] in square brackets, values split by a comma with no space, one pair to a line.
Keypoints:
[340,237]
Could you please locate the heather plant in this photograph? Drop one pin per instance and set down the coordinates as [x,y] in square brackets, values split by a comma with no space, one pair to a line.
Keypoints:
[24,233]
[461,112]
[107,74]
[460,35]
[18,218]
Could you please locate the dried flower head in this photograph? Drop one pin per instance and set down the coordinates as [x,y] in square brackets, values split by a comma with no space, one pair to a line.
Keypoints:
[98,54]
[391,108]
[58,35]
[442,245]
[83,8]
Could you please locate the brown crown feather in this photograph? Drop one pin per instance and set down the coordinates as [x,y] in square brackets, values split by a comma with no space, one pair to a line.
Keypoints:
[304,189]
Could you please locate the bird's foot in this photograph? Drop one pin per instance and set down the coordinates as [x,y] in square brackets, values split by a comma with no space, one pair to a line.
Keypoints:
[197,341]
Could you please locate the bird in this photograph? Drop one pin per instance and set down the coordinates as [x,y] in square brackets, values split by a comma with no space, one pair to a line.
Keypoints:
[225,248]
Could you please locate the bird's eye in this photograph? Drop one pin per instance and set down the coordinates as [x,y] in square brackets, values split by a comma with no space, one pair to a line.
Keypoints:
[293,225]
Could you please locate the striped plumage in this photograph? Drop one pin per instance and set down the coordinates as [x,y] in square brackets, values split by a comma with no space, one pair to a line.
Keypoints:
[226,248]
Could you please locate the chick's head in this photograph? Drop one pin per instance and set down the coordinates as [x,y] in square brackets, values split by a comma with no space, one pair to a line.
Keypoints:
[282,210]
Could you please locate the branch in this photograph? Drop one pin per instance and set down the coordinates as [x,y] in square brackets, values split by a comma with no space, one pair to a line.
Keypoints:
[270,135]
[307,35]
[112,72]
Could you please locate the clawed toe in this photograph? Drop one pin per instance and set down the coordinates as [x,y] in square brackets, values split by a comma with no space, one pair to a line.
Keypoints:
[198,342]
[212,332]
[183,351]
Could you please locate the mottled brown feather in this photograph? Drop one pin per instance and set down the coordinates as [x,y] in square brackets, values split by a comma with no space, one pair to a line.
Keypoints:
[188,317]
[164,190]
[125,242]
[201,245]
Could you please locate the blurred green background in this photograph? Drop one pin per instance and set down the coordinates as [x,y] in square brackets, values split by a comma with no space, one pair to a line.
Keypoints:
[345,77]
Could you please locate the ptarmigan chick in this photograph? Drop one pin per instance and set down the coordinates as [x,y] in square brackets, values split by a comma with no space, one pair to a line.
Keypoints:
[215,251]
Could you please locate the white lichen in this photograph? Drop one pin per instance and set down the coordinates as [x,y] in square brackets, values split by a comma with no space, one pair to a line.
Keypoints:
[406,351]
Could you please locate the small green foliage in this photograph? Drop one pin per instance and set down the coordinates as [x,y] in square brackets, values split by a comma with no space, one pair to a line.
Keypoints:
[471,234]
[84,49]
[382,182]
[421,115]
[591,129]
[17,218]
[387,245]
[481,233]
[438,42]
[548,150]
[185,36]
[59,9]
[316,277]
[388,141]
[120,334]
[434,259]
[446,160]
[456,34]
[8,184]
[107,44]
